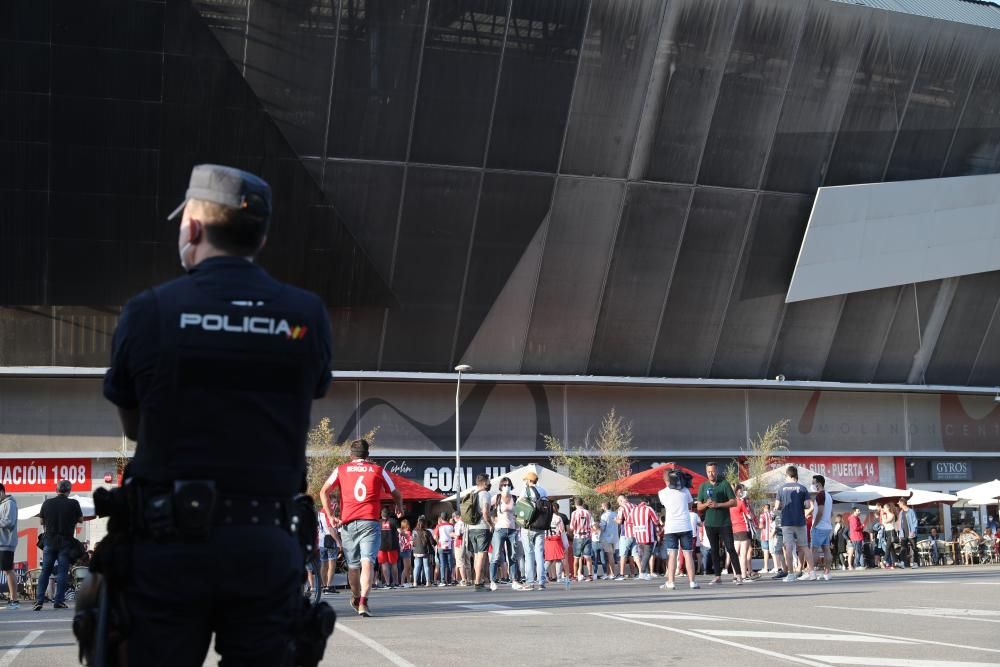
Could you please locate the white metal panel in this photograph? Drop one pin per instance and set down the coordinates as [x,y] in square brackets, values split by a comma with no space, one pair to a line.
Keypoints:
[864,237]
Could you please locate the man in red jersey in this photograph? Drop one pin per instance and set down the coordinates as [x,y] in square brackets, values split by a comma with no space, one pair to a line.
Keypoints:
[359,485]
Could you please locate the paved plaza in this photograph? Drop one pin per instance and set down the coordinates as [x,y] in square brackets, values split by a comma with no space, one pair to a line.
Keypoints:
[916,618]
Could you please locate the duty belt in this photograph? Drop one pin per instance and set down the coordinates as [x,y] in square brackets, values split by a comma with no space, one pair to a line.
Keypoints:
[192,507]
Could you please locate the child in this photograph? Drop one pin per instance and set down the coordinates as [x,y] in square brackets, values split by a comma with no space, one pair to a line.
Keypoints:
[406,551]
[555,550]
[595,547]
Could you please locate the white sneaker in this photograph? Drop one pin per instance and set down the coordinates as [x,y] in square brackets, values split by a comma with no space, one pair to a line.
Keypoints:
[809,576]
[790,578]
[579,577]
[514,586]
[619,578]
[493,585]
[826,576]
[669,586]
[407,585]
[645,577]
[694,584]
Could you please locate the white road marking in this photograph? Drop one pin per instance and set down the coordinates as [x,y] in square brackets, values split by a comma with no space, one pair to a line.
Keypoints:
[930,612]
[521,612]
[453,602]
[894,662]
[667,617]
[370,643]
[857,633]
[752,649]
[980,583]
[16,649]
[803,636]
[484,607]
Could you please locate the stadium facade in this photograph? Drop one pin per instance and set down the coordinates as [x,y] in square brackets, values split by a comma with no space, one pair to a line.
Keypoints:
[595,203]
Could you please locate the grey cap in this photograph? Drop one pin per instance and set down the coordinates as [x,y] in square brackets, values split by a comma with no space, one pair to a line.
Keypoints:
[64,486]
[227,186]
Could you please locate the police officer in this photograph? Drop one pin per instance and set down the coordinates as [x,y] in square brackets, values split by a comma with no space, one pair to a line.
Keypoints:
[213,374]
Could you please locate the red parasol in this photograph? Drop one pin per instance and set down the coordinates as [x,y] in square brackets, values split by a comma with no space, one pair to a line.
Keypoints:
[411,490]
[648,482]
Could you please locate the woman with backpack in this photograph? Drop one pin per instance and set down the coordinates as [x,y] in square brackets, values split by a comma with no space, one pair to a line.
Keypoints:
[504,534]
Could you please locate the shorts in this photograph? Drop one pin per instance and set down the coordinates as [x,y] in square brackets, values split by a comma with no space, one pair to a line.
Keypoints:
[6,561]
[582,548]
[554,549]
[794,535]
[328,554]
[821,537]
[742,536]
[406,553]
[479,540]
[627,546]
[776,545]
[361,540]
[388,557]
[765,546]
[672,540]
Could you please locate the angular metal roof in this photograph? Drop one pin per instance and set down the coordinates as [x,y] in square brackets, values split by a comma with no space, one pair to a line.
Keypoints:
[972,12]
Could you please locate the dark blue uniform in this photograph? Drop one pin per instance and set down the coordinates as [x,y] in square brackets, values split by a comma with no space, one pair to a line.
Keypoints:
[222,364]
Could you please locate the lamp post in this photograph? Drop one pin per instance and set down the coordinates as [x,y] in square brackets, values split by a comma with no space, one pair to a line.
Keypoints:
[462,368]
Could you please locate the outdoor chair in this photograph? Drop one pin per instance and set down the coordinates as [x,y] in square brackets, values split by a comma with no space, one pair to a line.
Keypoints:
[924,552]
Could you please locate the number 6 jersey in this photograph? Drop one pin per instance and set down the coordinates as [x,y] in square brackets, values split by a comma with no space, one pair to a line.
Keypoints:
[361,485]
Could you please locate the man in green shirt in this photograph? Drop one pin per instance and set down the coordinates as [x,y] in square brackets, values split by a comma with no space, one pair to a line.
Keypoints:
[715,497]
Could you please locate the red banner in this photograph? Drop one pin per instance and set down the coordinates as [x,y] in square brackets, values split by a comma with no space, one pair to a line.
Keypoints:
[41,475]
[846,469]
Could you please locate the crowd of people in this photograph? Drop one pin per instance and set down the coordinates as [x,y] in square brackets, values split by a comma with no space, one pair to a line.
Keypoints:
[715,533]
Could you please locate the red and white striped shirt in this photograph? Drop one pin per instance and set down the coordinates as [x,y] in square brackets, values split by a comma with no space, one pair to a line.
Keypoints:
[625,511]
[580,523]
[645,523]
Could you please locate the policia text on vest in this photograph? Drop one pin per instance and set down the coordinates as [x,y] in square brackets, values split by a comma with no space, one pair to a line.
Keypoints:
[213,374]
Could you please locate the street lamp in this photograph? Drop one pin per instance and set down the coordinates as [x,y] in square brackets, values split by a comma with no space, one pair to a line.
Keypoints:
[461,368]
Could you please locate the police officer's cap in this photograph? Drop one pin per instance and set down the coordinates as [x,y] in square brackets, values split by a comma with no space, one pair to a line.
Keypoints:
[229,187]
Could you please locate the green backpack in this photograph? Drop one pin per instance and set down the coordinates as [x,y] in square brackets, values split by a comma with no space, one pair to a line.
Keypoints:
[525,511]
[471,512]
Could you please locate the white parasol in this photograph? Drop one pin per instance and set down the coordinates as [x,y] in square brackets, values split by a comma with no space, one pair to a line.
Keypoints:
[556,485]
[988,493]
[921,497]
[86,504]
[868,492]
[772,480]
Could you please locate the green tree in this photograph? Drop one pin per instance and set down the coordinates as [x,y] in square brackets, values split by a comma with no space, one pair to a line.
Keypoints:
[764,453]
[325,454]
[603,457]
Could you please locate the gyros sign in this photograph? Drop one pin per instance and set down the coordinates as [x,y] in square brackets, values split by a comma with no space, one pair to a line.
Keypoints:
[41,475]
